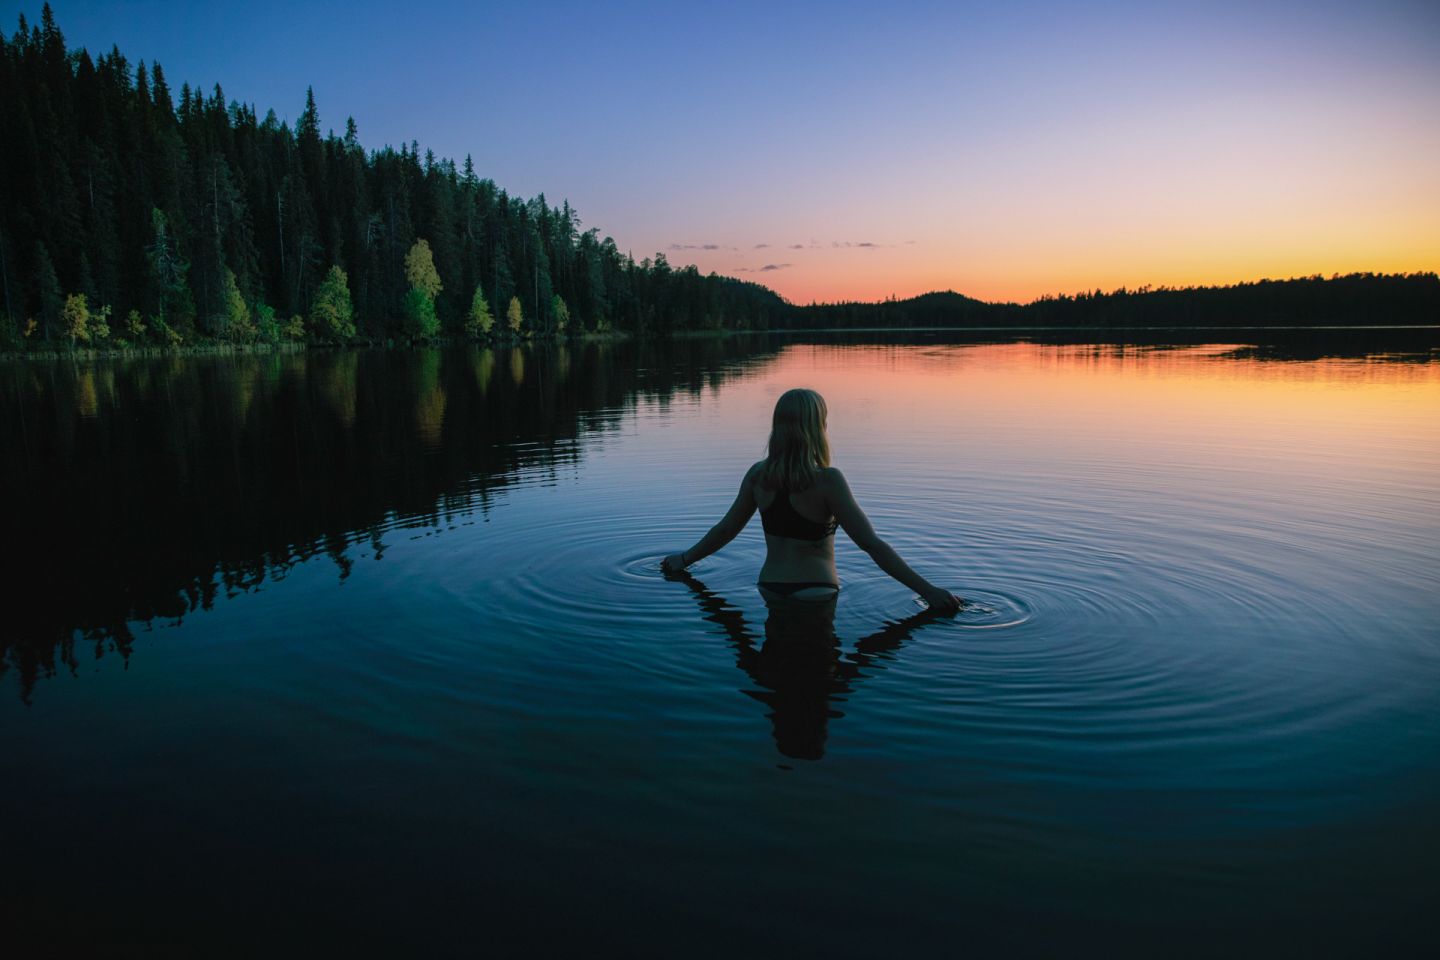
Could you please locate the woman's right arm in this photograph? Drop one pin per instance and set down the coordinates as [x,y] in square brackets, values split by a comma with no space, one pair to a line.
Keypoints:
[723,532]
[857,526]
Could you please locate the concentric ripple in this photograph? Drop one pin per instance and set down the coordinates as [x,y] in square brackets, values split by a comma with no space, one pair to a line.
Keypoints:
[989,610]
[1195,674]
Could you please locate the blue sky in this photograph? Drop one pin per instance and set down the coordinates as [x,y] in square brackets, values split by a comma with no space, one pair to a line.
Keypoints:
[860,149]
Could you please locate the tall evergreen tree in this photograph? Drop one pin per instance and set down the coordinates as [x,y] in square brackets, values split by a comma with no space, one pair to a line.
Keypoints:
[48,301]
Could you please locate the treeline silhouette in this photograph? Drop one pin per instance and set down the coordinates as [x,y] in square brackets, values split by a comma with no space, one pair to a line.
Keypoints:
[1357,299]
[193,478]
[201,220]
[130,219]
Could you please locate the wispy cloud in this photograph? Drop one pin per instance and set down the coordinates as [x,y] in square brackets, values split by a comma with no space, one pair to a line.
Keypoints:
[773,266]
[811,245]
[837,245]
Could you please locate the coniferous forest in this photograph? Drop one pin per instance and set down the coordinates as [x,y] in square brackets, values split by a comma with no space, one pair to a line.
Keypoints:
[135,216]
[135,213]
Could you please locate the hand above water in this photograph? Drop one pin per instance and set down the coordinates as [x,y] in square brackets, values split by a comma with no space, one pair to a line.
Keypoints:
[942,601]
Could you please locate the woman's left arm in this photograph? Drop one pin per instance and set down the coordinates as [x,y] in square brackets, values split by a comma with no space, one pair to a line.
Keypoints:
[723,532]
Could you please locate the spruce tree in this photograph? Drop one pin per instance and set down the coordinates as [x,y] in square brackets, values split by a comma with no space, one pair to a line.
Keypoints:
[47,293]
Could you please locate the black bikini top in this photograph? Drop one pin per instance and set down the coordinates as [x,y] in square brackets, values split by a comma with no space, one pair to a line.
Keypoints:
[781,519]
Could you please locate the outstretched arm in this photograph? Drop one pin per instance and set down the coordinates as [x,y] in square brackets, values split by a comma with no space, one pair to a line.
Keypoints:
[722,533]
[857,527]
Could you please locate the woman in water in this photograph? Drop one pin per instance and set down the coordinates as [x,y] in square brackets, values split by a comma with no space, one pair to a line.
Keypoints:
[791,487]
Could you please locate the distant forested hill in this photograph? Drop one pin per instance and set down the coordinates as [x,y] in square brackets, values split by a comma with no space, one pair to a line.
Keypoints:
[1357,299]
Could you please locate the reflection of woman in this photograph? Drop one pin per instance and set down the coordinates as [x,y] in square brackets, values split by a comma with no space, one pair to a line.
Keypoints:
[798,665]
[792,487]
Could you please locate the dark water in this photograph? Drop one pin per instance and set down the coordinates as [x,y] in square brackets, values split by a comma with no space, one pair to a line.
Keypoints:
[373,648]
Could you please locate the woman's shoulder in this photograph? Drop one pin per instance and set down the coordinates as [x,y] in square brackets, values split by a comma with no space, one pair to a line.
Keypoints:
[830,479]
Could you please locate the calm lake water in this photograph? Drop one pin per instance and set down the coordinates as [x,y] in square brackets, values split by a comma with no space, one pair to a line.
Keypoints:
[374,646]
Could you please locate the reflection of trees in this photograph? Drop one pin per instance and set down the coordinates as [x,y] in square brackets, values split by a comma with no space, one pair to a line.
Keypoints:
[482,362]
[429,396]
[144,489]
[337,379]
[797,662]
[1399,345]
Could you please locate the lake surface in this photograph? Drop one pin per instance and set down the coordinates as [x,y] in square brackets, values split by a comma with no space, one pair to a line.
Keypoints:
[374,647]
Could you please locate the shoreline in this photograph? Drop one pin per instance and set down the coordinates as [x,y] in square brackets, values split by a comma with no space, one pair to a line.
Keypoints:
[289,347]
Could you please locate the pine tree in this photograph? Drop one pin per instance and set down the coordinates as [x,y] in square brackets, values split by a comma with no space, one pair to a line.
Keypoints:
[139,199]
[238,325]
[47,292]
[168,273]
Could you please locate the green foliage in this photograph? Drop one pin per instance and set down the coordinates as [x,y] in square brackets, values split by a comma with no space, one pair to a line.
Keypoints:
[134,325]
[560,312]
[100,323]
[267,328]
[515,316]
[421,320]
[420,270]
[332,317]
[47,293]
[175,302]
[479,320]
[295,328]
[238,325]
[165,333]
[207,184]
[420,317]
[75,318]
[10,338]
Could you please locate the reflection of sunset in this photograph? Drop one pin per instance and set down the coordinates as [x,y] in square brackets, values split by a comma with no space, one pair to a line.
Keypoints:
[1059,404]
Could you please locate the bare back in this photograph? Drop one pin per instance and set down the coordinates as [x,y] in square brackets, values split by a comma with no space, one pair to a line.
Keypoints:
[793,560]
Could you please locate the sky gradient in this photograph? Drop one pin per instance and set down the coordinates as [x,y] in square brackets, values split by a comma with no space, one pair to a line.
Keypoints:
[848,151]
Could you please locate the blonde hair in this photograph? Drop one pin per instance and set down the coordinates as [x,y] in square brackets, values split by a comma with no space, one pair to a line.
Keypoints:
[798,445]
